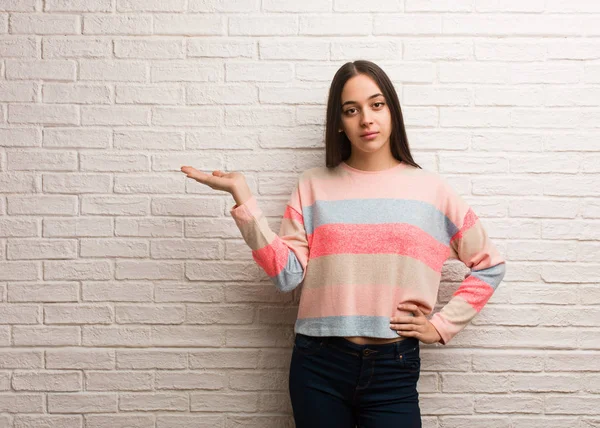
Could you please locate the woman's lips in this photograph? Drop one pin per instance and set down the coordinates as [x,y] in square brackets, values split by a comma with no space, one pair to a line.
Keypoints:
[370,136]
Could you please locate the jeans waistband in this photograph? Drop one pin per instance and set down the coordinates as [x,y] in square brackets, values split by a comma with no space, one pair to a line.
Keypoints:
[383,348]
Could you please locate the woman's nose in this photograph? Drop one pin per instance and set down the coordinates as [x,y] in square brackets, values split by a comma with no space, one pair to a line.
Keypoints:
[366,119]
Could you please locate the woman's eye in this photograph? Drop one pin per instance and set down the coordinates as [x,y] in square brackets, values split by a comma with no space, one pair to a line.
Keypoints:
[349,111]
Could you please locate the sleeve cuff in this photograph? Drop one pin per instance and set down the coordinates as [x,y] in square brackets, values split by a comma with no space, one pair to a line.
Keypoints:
[437,323]
[245,211]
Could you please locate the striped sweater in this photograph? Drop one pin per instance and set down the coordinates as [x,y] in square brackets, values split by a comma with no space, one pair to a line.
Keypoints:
[362,242]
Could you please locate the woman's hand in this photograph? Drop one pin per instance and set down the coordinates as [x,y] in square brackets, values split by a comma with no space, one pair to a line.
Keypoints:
[233,182]
[415,326]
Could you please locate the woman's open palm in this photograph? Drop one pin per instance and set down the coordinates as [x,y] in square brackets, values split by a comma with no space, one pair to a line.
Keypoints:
[219,180]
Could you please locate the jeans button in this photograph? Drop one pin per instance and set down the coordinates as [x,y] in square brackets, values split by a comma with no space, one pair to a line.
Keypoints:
[367,352]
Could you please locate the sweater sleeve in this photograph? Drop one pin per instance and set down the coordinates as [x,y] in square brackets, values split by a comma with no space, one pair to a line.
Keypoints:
[283,257]
[470,244]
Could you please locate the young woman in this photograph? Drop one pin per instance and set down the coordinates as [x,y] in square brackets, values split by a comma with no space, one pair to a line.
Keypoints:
[366,236]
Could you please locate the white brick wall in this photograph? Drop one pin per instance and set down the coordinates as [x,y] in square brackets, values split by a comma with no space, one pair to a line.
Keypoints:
[129,299]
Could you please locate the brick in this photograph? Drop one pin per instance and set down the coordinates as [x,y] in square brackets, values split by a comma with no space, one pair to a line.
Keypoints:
[149,270]
[78,6]
[155,184]
[18,6]
[122,291]
[22,23]
[48,69]
[115,115]
[115,336]
[225,401]
[189,25]
[47,421]
[137,314]
[46,336]
[20,137]
[106,24]
[151,359]
[19,314]
[108,248]
[188,71]
[76,183]
[182,248]
[21,359]
[61,381]
[342,25]
[21,403]
[150,6]
[77,138]
[77,314]
[219,314]
[80,358]
[119,421]
[113,162]
[63,93]
[149,94]
[115,205]
[17,183]
[82,403]
[77,227]
[219,48]
[32,249]
[190,380]
[223,6]
[186,421]
[158,401]
[149,49]
[158,227]
[19,271]
[15,91]
[77,270]
[25,160]
[118,381]
[109,70]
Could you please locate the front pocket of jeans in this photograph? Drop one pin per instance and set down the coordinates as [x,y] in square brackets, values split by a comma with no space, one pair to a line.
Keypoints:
[410,360]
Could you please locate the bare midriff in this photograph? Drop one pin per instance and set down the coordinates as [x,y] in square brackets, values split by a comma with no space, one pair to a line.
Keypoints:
[363,340]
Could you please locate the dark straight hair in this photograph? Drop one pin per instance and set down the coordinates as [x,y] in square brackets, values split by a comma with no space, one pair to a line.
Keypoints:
[337,144]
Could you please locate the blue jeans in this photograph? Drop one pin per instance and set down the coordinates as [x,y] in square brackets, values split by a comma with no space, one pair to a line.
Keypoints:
[335,383]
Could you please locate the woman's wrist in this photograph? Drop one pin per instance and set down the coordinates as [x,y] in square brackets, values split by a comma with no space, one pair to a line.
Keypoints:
[241,194]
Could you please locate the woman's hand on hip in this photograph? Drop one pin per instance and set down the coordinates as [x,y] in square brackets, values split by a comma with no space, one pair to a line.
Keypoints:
[414,326]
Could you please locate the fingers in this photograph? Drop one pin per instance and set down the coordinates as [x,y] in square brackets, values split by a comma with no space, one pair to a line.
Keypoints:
[407,320]
[411,308]
[196,175]
[415,334]
[200,176]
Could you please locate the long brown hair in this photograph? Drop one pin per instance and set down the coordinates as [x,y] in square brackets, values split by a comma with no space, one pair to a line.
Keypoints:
[337,144]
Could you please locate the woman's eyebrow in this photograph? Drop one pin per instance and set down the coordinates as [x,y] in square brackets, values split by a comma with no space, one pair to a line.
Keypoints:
[354,102]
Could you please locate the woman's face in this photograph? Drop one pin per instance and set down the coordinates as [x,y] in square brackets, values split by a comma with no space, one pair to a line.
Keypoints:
[362,114]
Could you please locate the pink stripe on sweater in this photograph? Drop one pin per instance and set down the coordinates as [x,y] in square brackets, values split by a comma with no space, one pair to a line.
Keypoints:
[386,238]
[470,220]
[272,258]
[475,292]
[291,213]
